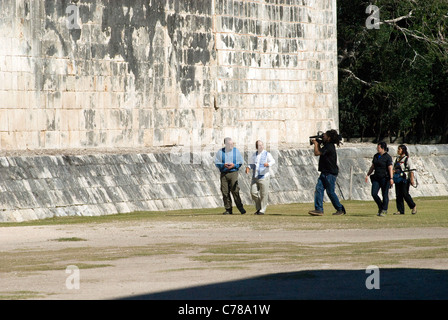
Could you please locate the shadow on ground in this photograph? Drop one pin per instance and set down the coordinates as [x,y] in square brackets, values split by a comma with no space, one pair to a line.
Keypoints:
[399,284]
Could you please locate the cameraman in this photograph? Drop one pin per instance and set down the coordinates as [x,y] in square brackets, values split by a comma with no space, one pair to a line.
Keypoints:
[328,173]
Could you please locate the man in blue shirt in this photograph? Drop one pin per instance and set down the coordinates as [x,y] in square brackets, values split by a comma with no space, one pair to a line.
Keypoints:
[228,160]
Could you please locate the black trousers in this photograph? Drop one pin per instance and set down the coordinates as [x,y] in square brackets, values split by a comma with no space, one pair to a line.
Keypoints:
[383,184]
[402,193]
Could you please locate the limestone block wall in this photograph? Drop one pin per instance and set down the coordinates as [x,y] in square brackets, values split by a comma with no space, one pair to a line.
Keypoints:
[112,74]
[38,187]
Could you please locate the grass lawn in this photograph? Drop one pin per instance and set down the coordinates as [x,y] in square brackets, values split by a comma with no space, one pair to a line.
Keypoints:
[432,212]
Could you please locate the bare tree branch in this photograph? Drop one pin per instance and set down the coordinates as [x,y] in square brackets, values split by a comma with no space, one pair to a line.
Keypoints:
[415,34]
[354,76]
[391,21]
[345,55]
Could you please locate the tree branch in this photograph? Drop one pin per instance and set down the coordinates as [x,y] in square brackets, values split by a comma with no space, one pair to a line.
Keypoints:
[414,34]
[352,75]
[392,21]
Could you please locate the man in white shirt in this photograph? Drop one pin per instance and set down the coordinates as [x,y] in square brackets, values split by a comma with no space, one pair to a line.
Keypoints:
[260,162]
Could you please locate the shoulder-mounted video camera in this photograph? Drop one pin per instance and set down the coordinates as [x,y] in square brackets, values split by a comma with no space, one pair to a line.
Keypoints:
[319,138]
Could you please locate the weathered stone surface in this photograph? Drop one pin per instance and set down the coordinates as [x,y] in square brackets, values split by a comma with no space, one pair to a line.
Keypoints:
[144,73]
[181,73]
[38,187]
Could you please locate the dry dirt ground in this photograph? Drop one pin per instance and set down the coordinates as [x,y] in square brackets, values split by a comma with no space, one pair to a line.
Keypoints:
[169,260]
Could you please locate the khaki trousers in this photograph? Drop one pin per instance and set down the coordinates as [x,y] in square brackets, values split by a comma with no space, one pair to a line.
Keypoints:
[229,185]
[259,190]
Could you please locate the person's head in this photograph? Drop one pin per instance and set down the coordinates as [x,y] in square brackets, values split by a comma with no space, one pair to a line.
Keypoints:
[228,142]
[381,147]
[402,150]
[331,136]
[259,145]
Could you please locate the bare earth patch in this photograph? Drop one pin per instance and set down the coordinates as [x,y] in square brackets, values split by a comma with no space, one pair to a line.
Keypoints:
[119,260]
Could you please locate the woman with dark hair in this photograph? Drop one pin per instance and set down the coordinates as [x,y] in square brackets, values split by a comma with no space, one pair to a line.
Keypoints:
[382,178]
[403,178]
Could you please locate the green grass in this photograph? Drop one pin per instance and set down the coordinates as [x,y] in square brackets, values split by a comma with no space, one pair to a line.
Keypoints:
[71,239]
[85,257]
[240,254]
[20,295]
[432,212]
[361,253]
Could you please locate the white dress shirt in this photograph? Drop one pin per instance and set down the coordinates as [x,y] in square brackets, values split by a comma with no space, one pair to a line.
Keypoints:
[258,167]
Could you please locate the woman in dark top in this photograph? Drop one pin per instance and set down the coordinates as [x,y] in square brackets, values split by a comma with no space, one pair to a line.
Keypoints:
[382,178]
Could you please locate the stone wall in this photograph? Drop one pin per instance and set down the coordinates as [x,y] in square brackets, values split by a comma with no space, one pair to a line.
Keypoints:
[38,187]
[143,73]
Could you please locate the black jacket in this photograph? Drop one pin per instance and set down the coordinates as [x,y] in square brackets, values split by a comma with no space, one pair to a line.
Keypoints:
[328,159]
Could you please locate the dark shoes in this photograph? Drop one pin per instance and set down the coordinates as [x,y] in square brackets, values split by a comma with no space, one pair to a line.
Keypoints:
[382,213]
[230,211]
[316,213]
[340,212]
[321,213]
[259,213]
